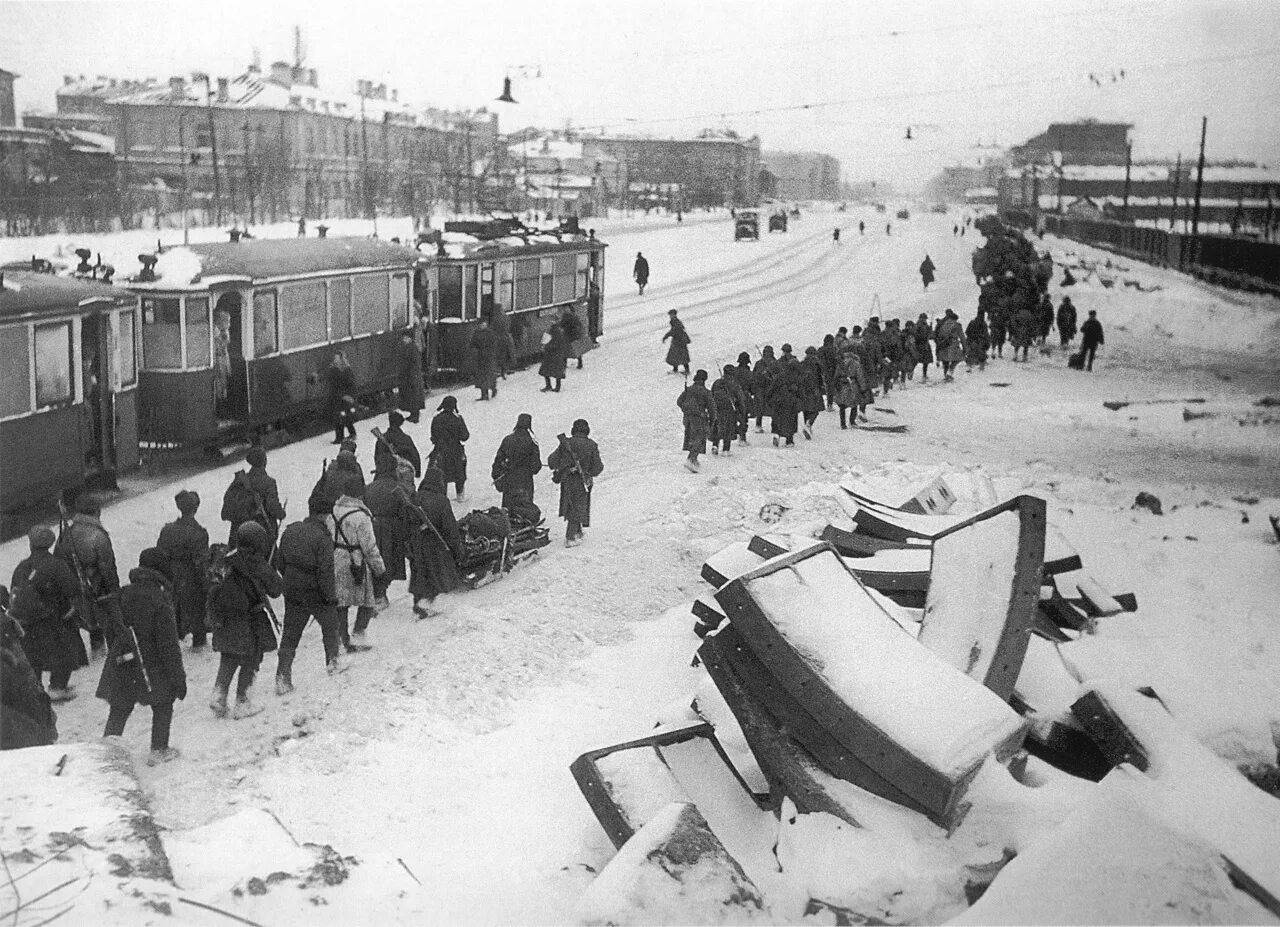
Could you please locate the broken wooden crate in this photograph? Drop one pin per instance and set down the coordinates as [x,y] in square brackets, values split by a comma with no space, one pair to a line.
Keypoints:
[908,715]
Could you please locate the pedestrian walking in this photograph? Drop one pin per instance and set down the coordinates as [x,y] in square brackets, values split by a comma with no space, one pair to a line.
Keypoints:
[555,353]
[305,563]
[386,498]
[501,326]
[448,433]
[1066,321]
[357,562]
[253,496]
[515,464]
[835,235]
[574,337]
[926,271]
[784,399]
[185,544]
[43,593]
[144,664]
[726,396]
[862,227]
[1044,318]
[484,354]
[1022,331]
[239,612]
[395,443]
[747,384]
[699,412]
[412,390]
[85,546]
[1091,338]
[924,351]
[640,272]
[851,385]
[828,361]
[678,352]
[762,379]
[435,546]
[341,384]
[977,342]
[574,465]
[950,339]
[810,382]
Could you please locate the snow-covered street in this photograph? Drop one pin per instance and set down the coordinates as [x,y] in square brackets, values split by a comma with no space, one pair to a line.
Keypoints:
[448,744]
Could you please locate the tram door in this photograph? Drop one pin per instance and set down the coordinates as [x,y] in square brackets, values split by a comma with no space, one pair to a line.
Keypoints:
[230,370]
[95,360]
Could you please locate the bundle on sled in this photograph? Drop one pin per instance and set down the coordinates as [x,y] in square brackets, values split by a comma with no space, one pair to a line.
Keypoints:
[495,540]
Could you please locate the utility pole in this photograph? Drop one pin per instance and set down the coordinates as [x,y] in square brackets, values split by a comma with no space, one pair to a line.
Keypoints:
[1195,210]
[186,182]
[1128,165]
[248,175]
[1177,181]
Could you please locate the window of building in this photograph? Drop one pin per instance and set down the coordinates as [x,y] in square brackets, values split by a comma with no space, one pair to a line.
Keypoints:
[53,364]
[450,304]
[128,348]
[15,371]
[203,138]
[302,315]
[546,269]
[401,305]
[469,304]
[339,309]
[565,272]
[198,330]
[370,310]
[527,283]
[266,323]
[162,333]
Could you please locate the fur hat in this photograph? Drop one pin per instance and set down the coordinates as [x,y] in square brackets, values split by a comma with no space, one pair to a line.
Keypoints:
[352,485]
[257,457]
[349,445]
[700,376]
[41,537]
[187,501]
[744,358]
[448,404]
[395,419]
[580,427]
[253,537]
[524,420]
[153,558]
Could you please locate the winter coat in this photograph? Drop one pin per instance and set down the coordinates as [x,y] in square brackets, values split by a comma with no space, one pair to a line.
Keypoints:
[27,718]
[516,462]
[1023,330]
[852,385]
[412,391]
[950,338]
[924,351]
[575,486]
[385,497]
[270,512]
[640,272]
[762,379]
[1091,334]
[829,361]
[434,565]
[678,352]
[331,483]
[186,543]
[93,549]
[401,446]
[747,383]
[1044,317]
[573,334]
[304,561]
[554,354]
[238,607]
[699,416]
[342,389]
[784,399]
[727,398]
[45,612]
[484,350]
[926,271]
[148,609]
[998,325]
[977,341]
[501,327]
[448,432]
[1066,320]
[354,545]
[810,382]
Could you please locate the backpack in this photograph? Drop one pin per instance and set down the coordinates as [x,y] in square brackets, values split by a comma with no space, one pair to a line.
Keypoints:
[28,606]
[215,576]
[240,503]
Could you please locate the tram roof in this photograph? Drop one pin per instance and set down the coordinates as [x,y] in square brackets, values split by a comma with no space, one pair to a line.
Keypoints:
[26,293]
[270,259]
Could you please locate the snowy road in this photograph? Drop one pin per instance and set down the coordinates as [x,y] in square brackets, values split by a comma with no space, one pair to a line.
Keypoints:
[449,743]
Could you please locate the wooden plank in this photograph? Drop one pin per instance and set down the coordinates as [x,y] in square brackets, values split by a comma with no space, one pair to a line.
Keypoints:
[728,562]
[764,548]
[1059,555]
[936,498]
[851,544]
[1061,612]
[1097,601]
[1113,738]
[837,759]
[708,614]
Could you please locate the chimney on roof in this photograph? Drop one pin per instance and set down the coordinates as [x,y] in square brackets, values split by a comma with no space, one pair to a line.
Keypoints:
[177,88]
[282,73]
[395,95]
[67,80]
[223,95]
[311,77]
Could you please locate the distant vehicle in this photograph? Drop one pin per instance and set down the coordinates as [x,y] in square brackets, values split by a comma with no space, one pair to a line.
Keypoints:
[778,222]
[746,225]
[880,207]
[904,214]
[840,208]
[795,212]
[939,208]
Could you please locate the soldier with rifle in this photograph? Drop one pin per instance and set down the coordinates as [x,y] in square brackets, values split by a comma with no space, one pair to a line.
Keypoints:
[85,545]
[45,590]
[253,496]
[514,466]
[304,559]
[575,464]
[436,547]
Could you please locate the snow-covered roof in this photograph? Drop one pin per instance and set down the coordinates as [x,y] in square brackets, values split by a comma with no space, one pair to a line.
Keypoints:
[182,267]
[1150,173]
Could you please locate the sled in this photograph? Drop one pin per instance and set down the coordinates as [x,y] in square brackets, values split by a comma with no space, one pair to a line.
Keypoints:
[835,650]
[486,557]
[625,784]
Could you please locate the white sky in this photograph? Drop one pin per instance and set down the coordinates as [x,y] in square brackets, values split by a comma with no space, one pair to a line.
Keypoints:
[956,71]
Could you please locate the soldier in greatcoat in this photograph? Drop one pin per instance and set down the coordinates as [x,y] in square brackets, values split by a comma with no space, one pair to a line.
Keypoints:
[44,591]
[575,464]
[186,543]
[448,433]
[699,411]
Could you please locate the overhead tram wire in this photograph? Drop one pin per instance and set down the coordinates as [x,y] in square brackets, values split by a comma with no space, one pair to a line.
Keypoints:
[1168,64]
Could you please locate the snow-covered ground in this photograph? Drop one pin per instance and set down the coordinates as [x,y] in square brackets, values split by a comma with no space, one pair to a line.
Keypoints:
[448,745]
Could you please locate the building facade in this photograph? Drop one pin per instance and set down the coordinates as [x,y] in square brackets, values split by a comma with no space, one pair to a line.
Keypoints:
[802,175]
[715,169]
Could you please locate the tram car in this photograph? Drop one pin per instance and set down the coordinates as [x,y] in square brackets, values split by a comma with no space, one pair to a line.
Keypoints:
[68,387]
[499,267]
[236,336]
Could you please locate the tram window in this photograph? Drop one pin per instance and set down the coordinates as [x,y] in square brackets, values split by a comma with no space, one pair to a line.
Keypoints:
[469,293]
[266,323]
[580,283]
[565,268]
[401,306]
[450,305]
[339,309]
[369,307]
[546,291]
[527,283]
[197,332]
[162,334]
[128,349]
[53,364]
[506,285]
[15,371]
[302,319]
